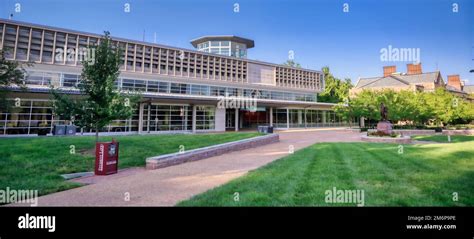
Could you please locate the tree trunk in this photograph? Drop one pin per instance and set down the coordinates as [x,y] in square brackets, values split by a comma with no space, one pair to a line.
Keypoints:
[96,135]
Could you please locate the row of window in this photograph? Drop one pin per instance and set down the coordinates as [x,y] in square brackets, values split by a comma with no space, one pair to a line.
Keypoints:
[297,118]
[33,44]
[39,45]
[153,86]
[295,78]
[29,116]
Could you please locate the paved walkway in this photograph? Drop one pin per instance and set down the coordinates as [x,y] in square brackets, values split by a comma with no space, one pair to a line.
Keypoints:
[168,186]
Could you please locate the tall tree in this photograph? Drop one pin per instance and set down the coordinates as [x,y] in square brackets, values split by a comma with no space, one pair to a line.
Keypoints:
[292,63]
[11,73]
[335,90]
[101,102]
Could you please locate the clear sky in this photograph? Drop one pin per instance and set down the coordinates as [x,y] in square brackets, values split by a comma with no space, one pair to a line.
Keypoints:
[319,32]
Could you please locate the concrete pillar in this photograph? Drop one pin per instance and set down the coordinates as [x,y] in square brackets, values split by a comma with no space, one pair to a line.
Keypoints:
[362,122]
[287,118]
[237,119]
[140,118]
[220,119]
[300,117]
[305,119]
[148,118]
[271,116]
[194,119]
[324,116]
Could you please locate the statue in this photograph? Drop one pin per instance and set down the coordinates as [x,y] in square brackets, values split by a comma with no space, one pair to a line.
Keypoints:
[384,126]
[383,112]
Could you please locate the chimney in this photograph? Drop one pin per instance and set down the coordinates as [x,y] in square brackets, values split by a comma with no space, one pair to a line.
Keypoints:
[388,70]
[454,81]
[414,69]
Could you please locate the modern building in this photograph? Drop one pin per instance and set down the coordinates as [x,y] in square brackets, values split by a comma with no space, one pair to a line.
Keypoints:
[180,88]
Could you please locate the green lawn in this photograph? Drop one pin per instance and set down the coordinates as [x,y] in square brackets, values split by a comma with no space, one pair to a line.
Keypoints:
[444,138]
[37,163]
[423,175]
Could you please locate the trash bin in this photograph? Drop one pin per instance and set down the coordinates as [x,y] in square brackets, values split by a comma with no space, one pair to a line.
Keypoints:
[270,130]
[106,157]
[265,129]
[70,130]
[59,130]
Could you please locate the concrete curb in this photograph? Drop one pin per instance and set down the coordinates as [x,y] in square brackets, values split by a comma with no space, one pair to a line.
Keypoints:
[399,140]
[167,160]
[459,132]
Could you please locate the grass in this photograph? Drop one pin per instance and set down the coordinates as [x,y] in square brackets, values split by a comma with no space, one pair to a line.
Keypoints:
[37,163]
[444,138]
[423,175]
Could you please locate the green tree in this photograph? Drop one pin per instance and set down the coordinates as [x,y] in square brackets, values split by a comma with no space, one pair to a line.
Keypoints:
[11,74]
[101,102]
[292,63]
[448,108]
[335,90]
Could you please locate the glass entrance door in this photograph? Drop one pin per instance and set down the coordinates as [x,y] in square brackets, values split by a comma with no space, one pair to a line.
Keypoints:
[230,119]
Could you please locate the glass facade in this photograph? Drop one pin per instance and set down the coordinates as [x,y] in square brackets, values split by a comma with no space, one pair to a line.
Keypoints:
[153,86]
[35,116]
[307,118]
[280,118]
[205,117]
[226,48]
[167,118]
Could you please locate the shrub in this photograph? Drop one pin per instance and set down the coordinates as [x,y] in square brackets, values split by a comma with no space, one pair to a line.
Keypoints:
[382,134]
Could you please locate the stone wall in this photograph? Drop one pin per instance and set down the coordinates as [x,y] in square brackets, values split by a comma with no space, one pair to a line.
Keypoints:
[207,152]
[459,132]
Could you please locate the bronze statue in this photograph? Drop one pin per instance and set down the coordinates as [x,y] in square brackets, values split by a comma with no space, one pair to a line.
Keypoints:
[383,112]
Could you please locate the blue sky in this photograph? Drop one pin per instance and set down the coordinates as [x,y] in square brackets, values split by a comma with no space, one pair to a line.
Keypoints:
[318,31]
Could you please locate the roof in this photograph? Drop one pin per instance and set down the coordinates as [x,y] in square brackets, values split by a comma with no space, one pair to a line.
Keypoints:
[469,89]
[397,80]
[249,43]
[454,89]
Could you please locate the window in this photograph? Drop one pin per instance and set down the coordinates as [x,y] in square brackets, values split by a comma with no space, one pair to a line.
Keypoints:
[280,118]
[217,91]
[167,118]
[70,80]
[205,117]
[128,84]
[177,88]
[200,90]
[140,85]
[34,78]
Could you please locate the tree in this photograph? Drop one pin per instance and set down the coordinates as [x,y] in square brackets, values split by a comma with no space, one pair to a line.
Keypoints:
[11,73]
[101,102]
[292,63]
[440,107]
[448,108]
[335,90]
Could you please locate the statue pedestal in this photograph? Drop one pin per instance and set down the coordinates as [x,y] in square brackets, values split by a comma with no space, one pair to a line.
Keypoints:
[385,127]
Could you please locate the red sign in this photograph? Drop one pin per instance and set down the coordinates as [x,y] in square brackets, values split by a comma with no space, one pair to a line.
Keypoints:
[106,157]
